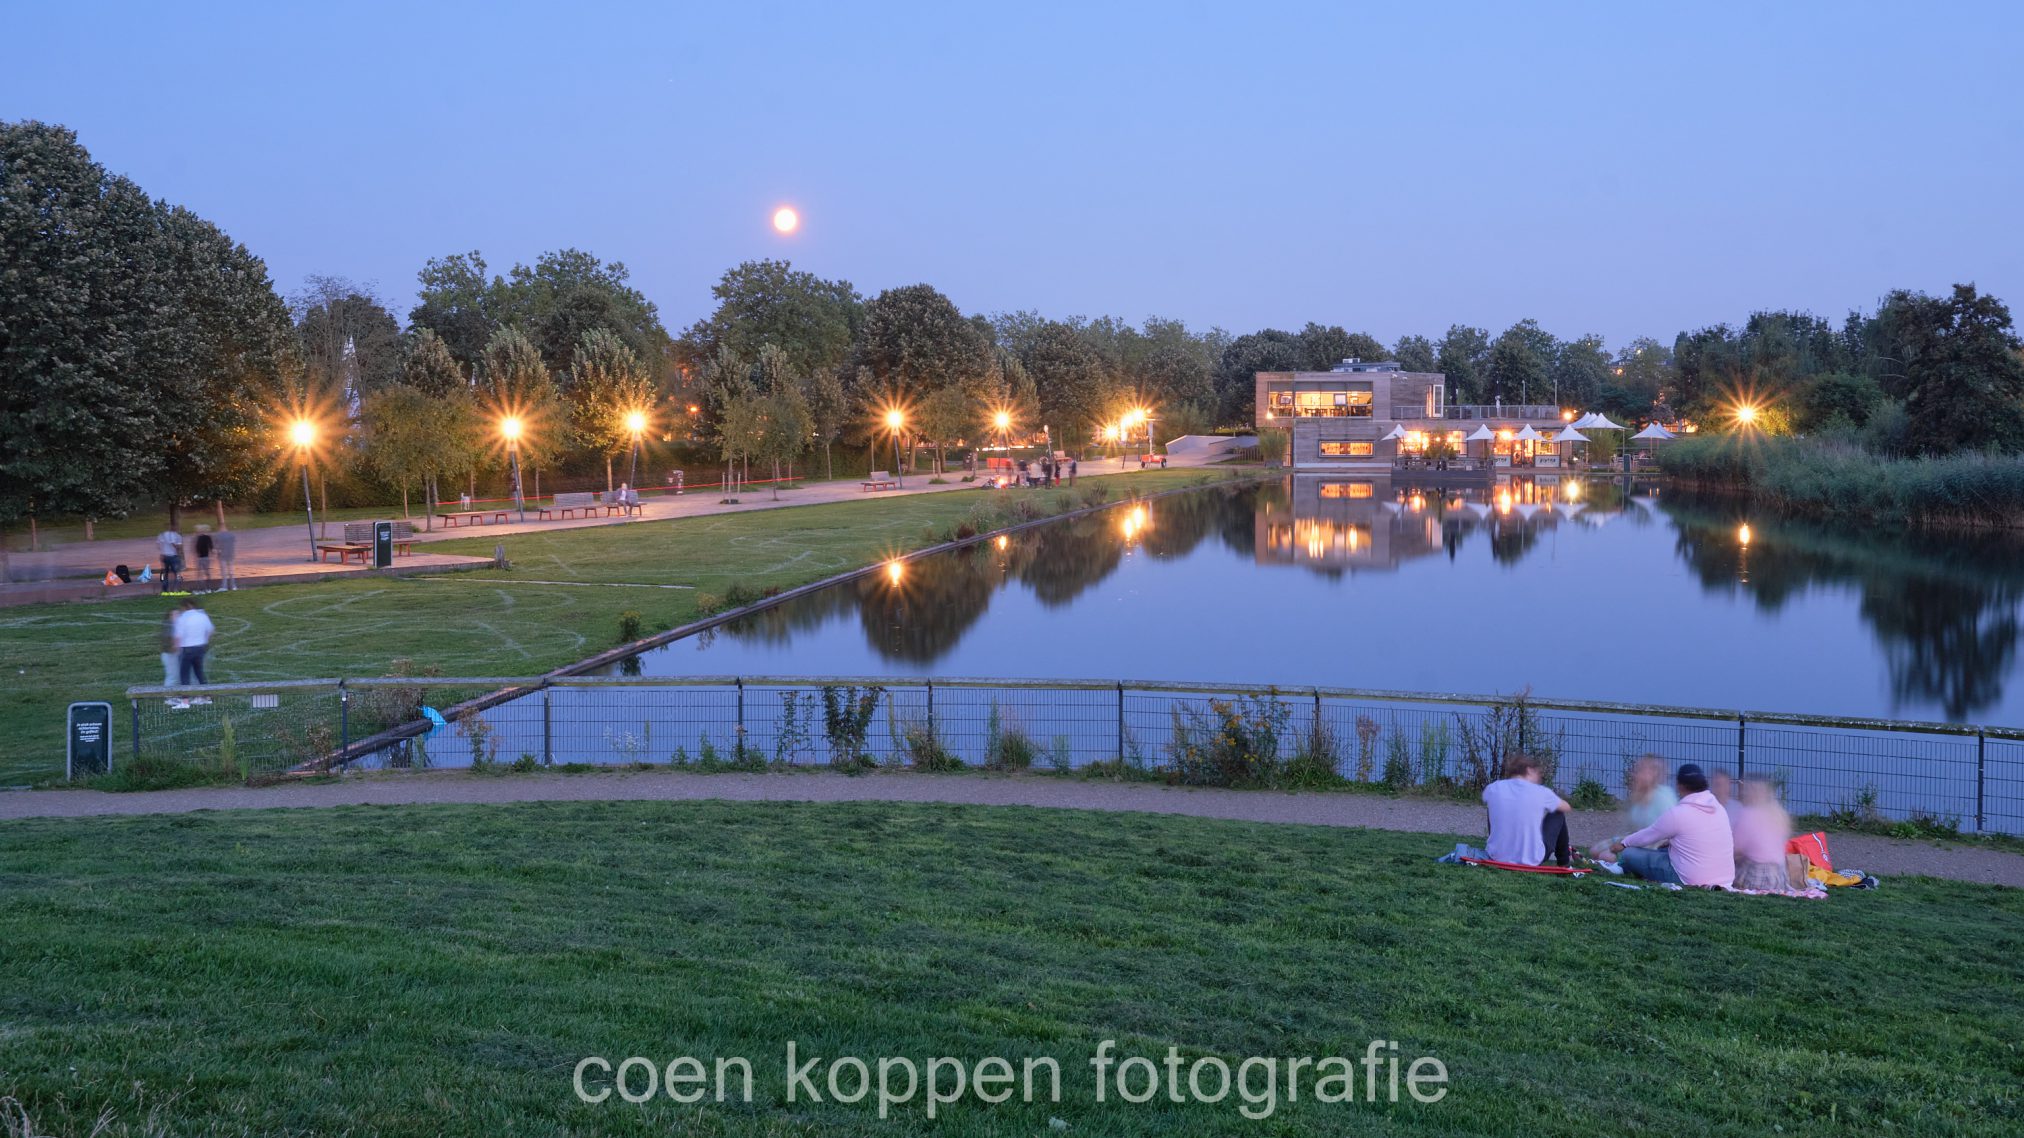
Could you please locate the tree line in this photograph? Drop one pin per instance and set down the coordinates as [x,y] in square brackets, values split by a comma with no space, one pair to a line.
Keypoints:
[146,358]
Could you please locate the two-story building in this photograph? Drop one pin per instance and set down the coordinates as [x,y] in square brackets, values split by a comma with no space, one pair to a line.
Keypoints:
[1368,414]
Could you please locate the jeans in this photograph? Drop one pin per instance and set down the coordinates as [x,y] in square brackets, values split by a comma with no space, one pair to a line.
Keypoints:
[193,663]
[1652,865]
[225,578]
[172,664]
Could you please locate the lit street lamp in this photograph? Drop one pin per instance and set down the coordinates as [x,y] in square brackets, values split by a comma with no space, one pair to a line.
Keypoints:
[895,419]
[637,424]
[303,434]
[1746,415]
[510,427]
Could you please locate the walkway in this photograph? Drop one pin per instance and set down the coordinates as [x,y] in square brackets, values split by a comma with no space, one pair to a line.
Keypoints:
[279,554]
[1885,857]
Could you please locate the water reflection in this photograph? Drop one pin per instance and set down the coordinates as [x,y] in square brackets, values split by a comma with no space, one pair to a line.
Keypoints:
[1944,609]
[1942,612]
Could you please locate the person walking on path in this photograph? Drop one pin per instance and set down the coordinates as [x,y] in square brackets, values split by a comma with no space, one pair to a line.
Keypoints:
[193,639]
[172,659]
[1073,466]
[225,545]
[204,556]
[169,544]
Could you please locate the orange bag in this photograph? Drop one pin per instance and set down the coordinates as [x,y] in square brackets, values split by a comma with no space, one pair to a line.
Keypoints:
[1813,847]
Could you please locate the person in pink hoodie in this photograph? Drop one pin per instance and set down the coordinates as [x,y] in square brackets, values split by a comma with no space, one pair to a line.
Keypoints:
[1699,848]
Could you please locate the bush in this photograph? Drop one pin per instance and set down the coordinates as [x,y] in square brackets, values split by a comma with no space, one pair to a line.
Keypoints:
[1836,477]
[1235,743]
[630,627]
[925,751]
[1589,794]
[1006,747]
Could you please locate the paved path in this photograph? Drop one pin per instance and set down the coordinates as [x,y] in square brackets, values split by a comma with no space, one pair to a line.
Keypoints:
[1883,856]
[280,553]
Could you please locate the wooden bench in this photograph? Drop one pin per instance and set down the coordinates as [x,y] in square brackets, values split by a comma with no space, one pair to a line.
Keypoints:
[880,480]
[615,504]
[473,517]
[358,541]
[563,505]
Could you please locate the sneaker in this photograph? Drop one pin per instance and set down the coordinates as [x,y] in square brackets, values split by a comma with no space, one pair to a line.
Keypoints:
[177,704]
[202,699]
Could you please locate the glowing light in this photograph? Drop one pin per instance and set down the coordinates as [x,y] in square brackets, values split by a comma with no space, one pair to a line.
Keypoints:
[894,571]
[1746,414]
[1567,416]
[785,220]
[636,422]
[1503,501]
[1572,490]
[1134,522]
[1001,420]
[1505,435]
[302,432]
[1743,534]
[695,410]
[895,419]
[1110,431]
[1001,541]
[510,428]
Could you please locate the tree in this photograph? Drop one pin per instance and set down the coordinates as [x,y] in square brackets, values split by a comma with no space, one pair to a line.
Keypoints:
[1464,356]
[1645,369]
[1580,371]
[460,304]
[567,293]
[761,303]
[828,411]
[944,417]
[915,341]
[732,403]
[517,385]
[398,423]
[351,345]
[429,367]
[1517,368]
[1073,391]
[1849,399]
[1322,348]
[1415,353]
[608,385]
[782,428]
[1246,356]
[1964,381]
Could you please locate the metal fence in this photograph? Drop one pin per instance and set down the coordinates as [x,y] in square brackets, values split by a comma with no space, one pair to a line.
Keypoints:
[1970,775]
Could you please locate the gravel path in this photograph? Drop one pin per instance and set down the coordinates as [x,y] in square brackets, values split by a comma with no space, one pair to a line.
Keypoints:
[1886,857]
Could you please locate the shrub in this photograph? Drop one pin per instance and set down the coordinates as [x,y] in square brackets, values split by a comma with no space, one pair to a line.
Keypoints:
[1398,763]
[1235,743]
[925,751]
[1006,747]
[1589,794]
[1095,495]
[1272,444]
[1317,758]
[846,720]
[965,531]
[630,627]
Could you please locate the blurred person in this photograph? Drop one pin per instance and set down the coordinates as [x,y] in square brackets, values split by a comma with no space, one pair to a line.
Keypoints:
[226,545]
[1689,844]
[203,548]
[1762,830]
[193,640]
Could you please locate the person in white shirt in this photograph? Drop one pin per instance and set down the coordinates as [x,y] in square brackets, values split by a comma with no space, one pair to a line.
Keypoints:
[1527,819]
[169,544]
[193,639]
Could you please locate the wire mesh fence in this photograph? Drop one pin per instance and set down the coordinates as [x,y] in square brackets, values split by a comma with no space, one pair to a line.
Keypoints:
[1205,734]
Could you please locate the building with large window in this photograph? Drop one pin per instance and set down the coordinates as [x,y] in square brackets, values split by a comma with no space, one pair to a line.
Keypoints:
[1368,414]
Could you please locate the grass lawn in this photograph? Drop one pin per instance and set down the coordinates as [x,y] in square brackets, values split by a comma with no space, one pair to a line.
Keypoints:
[441,969]
[482,624]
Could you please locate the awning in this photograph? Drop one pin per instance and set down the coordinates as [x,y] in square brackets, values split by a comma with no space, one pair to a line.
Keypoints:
[1654,432]
[1481,435]
[1570,435]
[1528,435]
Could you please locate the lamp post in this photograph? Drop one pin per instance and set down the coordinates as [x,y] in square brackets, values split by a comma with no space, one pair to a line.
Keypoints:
[510,427]
[895,419]
[637,424]
[303,434]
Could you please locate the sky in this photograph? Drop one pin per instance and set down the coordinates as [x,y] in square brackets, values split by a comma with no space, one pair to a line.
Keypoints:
[1622,169]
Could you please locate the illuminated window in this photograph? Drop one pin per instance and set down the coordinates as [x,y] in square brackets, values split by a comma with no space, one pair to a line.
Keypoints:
[1347,449]
[1347,490]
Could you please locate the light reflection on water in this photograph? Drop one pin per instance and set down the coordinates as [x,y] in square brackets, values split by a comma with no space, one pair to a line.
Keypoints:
[1577,589]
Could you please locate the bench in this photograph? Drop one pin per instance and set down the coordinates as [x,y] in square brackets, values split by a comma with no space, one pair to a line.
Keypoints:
[473,517]
[564,505]
[358,540]
[880,480]
[618,503]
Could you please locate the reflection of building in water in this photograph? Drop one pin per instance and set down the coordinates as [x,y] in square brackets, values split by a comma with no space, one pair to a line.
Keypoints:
[1336,522]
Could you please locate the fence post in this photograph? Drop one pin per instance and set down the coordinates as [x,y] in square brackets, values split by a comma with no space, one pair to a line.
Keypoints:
[739,742]
[1742,728]
[1981,780]
[135,701]
[931,707]
[547,727]
[344,721]
[1120,722]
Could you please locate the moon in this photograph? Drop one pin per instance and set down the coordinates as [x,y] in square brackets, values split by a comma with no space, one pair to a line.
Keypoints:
[785,220]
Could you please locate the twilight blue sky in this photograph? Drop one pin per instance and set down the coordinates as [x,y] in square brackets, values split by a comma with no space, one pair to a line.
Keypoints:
[1621,168]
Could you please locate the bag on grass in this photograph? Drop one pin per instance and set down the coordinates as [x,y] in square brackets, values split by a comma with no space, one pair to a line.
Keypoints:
[1814,848]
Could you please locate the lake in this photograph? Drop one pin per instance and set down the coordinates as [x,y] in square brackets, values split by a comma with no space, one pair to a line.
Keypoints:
[1582,589]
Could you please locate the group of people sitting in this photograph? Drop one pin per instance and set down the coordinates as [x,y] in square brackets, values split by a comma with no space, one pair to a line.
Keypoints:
[1693,832]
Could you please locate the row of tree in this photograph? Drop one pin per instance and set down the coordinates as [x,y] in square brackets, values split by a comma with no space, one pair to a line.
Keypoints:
[144,356]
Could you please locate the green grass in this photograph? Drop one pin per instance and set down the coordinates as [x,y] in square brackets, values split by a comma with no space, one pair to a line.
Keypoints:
[440,970]
[486,624]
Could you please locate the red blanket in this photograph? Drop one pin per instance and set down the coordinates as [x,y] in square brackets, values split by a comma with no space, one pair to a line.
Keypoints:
[1515,867]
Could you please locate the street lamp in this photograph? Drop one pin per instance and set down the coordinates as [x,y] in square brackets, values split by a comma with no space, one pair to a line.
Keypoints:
[636,422]
[1746,414]
[895,419]
[303,434]
[510,427]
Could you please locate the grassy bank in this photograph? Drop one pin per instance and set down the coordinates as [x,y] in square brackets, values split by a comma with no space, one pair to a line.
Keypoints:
[1821,477]
[441,970]
[492,623]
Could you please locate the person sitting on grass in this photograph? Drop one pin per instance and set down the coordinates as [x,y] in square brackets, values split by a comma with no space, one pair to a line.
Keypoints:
[1527,819]
[1762,829]
[1690,844]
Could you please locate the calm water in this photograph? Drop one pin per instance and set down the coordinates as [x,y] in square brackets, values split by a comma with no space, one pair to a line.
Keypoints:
[1579,590]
